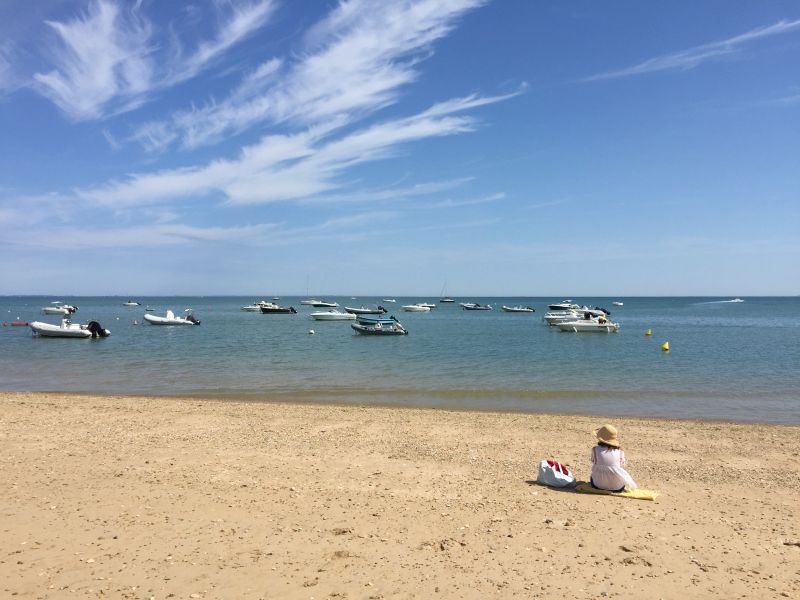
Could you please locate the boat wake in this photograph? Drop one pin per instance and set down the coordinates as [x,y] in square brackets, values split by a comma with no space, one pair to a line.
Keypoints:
[735,300]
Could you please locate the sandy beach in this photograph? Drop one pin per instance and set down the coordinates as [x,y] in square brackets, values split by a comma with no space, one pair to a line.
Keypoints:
[127,497]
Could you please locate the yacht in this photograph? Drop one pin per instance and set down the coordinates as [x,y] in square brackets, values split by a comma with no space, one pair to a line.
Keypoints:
[270,308]
[563,305]
[589,325]
[319,303]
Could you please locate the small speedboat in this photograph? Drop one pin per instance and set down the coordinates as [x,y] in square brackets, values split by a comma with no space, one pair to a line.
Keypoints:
[379,310]
[131,303]
[446,300]
[59,309]
[589,325]
[617,303]
[171,319]
[389,300]
[67,329]
[518,309]
[319,303]
[270,308]
[563,305]
[476,306]
[333,315]
[378,325]
[416,308]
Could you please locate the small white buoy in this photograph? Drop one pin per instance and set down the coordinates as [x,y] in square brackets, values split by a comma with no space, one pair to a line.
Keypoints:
[310,332]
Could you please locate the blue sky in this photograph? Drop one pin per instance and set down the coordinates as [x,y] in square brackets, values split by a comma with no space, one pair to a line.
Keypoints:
[373,148]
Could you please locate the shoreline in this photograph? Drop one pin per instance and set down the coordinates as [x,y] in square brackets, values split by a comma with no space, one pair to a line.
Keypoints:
[314,398]
[142,497]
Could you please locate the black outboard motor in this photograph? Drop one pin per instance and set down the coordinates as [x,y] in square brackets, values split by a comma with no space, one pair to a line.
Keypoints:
[97,330]
[192,319]
[383,310]
[292,310]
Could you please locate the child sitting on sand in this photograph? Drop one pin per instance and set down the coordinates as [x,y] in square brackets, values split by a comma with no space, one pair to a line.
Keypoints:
[608,462]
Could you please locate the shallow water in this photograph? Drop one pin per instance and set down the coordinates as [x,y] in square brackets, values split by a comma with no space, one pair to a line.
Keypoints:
[732,361]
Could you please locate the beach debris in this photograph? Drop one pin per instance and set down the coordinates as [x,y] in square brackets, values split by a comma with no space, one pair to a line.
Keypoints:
[792,543]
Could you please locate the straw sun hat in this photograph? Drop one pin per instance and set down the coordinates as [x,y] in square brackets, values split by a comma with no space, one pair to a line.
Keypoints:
[608,435]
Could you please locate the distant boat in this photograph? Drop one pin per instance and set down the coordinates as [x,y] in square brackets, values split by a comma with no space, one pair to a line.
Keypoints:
[617,303]
[476,306]
[268,308]
[131,303]
[378,325]
[563,305]
[389,300]
[589,325]
[171,319]
[59,309]
[319,303]
[446,299]
[518,309]
[333,315]
[416,308]
[251,308]
[443,297]
[366,311]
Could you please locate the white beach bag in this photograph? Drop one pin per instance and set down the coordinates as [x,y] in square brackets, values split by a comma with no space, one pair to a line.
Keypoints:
[555,474]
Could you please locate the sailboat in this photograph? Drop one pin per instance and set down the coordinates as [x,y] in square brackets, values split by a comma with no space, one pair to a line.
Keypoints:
[443,297]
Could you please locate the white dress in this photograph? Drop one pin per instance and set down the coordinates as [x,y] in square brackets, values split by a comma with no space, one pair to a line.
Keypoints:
[608,469]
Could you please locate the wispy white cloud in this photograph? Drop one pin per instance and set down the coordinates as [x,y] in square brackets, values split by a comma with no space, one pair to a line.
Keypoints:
[106,60]
[290,167]
[451,203]
[375,195]
[355,62]
[692,57]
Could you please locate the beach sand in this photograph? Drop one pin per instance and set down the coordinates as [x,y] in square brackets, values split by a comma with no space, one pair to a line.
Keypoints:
[110,497]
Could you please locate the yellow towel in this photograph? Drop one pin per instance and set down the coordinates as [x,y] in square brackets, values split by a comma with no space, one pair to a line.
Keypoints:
[637,494]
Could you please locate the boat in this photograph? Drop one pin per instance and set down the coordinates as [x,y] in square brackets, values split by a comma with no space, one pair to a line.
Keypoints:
[333,315]
[251,308]
[319,303]
[59,309]
[270,308]
[416,308]
[389,300]
[518,309]
[67,329]
[378,325]
[443,297]
[617,303]
[379,310]
[131,303]
[476,306]
[428,304]
[446,299]
[589,325]
[561,316]
[171,319]
[563,305]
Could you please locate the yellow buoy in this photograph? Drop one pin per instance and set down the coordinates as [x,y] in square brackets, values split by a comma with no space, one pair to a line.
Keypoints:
[648,332]
[665,346]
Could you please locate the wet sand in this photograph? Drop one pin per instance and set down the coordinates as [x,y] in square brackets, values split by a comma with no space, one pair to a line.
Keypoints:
[109,497]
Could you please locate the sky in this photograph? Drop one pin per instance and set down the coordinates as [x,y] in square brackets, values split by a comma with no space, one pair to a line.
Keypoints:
[467,147]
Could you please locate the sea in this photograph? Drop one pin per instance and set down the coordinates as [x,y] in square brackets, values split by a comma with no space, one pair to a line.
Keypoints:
[727,360]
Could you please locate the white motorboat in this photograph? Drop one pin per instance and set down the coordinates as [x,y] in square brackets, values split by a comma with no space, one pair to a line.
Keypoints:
[59,309]
[379,310]
[590,325]
[416,308]
[618,303]
[563,305]
[476,306]
[171,319]
[389,300]
[378,325]
[561,316]
[333,315]
[67,329]
[252,308]
[428,304]
[131,303]
[319,303]
[518,309]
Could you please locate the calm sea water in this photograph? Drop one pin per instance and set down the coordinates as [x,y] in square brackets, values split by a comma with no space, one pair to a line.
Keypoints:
[732,361]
